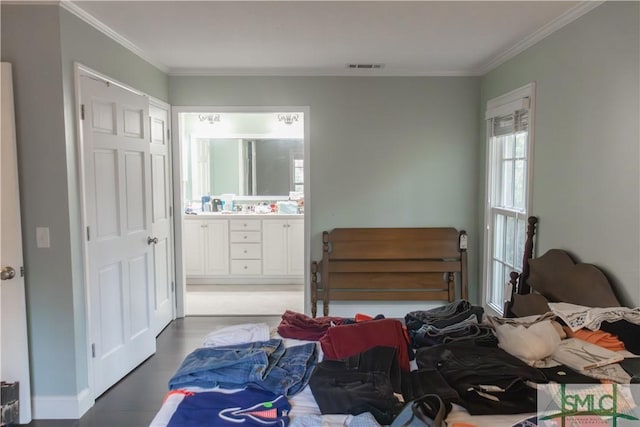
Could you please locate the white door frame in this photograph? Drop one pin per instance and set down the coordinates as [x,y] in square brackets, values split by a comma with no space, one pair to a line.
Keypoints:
[178,197]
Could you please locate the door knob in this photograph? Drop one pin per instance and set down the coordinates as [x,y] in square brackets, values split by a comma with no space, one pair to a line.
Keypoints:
[152,240]
[7,273]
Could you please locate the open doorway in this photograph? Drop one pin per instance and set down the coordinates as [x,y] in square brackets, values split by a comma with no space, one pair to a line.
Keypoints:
[242,223]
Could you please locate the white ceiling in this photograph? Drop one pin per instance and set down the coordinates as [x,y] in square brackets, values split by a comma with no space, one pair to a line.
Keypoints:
[321,37]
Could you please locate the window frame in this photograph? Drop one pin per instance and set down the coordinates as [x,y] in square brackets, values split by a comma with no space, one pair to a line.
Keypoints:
[497,107]
[293,156]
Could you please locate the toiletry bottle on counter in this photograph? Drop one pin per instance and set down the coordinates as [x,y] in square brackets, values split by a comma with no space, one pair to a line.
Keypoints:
[206,206]
[228,202]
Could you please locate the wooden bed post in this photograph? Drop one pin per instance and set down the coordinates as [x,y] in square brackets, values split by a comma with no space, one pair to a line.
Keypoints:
[517,280]
[513,279]
[523,287]
[464,277]
[314,288]
[451,281]
[325,273]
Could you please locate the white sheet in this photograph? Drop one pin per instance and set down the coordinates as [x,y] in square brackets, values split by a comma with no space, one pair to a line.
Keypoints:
[579,316]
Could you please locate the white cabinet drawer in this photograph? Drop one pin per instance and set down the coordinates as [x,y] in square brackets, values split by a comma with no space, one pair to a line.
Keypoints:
[246,250]
[245,225]
[245,237]
[245,266]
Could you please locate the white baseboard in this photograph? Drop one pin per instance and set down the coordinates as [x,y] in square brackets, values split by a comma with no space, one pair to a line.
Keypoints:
[62,407]
[245,280]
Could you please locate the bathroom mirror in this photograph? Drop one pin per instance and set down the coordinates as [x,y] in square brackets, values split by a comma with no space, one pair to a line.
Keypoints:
[247,167]
[247,154]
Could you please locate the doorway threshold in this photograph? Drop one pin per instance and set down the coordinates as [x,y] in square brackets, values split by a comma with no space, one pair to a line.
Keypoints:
[229,300]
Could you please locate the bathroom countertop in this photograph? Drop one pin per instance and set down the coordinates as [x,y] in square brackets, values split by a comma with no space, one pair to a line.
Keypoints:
[242,215]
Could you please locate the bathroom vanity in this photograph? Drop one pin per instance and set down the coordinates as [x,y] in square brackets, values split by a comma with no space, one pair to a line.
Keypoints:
[240,248]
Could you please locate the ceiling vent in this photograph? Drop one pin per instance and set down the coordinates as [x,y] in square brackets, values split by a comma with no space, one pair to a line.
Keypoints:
[365,66]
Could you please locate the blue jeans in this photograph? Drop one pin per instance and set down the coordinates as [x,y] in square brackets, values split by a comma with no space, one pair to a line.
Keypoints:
[291,372]
[441,317]
[265,365]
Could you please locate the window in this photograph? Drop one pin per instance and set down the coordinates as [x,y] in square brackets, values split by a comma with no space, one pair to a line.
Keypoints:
[297,172]
[509,143]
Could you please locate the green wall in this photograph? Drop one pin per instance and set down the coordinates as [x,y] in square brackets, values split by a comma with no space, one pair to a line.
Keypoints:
[31,42]
[586,160]
[42,42]
[384,151]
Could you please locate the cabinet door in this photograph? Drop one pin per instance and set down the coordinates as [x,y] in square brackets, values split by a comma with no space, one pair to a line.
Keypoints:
[274,247]
[193,247]
[217,247]
[295,243]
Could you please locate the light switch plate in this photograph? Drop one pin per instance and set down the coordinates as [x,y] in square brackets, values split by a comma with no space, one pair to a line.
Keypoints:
[42,237]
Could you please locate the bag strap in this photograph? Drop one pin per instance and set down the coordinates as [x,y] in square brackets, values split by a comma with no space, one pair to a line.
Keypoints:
[429,409]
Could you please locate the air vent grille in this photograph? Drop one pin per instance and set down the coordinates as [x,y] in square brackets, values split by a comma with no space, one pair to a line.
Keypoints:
[365,66]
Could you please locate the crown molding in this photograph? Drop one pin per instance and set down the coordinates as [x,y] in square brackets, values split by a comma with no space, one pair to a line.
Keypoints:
[109,32]
[30,2]
[310,72]
[543,32]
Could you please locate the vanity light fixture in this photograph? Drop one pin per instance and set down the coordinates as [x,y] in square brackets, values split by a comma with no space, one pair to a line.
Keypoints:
[211,118]
[288,118]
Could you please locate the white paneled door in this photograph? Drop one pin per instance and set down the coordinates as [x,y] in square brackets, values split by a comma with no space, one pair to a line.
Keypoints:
[14,352]
[118,216]
[161,215]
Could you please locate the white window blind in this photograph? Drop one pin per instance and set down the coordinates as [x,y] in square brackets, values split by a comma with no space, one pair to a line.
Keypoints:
[501,107]
[515,122]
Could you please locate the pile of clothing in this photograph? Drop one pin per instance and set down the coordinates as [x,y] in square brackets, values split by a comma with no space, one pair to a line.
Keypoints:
[621,322]
[459,360]
[384,371]
[359,374]
[459,321]
[537,340]
[253,376]
[362,361]
[367,365]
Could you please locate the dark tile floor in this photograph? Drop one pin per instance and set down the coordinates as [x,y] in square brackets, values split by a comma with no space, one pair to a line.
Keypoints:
[134,401]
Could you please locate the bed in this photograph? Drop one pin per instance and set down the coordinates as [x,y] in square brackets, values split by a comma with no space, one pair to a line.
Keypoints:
[430,264]
[555,277]
[390,264]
